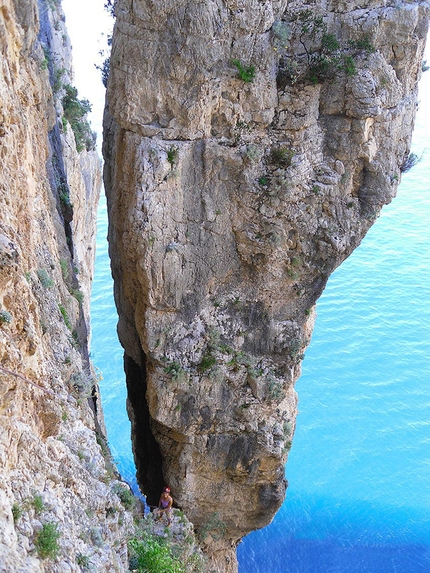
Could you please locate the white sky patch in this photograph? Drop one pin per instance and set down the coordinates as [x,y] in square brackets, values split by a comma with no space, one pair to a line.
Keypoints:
[88,25]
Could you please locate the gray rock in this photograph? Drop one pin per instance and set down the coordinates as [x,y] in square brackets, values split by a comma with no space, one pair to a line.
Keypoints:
[278,172]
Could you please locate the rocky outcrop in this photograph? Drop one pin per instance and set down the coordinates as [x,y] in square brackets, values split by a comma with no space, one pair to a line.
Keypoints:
[249,147]
[59,503]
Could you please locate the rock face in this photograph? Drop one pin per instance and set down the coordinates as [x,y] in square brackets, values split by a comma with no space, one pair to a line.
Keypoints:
[52,459]
[249,147]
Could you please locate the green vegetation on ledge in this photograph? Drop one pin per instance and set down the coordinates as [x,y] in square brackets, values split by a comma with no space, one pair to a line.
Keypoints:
[75,111]
[247,74]
[46,541]
[157,548]
[318,63]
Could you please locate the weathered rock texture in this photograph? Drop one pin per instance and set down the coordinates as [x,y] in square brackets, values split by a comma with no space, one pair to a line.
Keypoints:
[230,203]
[53,470]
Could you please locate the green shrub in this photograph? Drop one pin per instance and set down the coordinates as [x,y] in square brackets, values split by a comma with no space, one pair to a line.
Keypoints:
[275,391]
[125,495]
[65,316]
[83,561]
[104,69]
[349,66]
[363,44]
[247,74]
[46,541]
[152,555]
[17,511]
[172,155]
[281,156]
[296,345]
[57,80]
[5,316]
[174,369]
[75,339]
[287,446]
[83,382]
[96,536]
[77,294]
[411,160]
[282,32]
[64,269]
[44,64]
[45,279]
[75,111]
[329,43]
[102,442]
[323,63]
[213,525]
[207,361]
[37,503]
[320,68]
[64,194]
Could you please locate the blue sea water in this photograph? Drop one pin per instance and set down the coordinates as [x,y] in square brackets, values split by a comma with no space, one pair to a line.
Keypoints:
[107,354]
[359,469]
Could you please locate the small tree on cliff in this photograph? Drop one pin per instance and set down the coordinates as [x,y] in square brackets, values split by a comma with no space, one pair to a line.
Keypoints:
[75,111]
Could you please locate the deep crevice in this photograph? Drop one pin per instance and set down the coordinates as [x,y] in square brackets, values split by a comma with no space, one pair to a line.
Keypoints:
[147,455]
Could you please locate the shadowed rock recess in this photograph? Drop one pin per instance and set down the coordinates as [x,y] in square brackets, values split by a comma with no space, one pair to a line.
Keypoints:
[249,146]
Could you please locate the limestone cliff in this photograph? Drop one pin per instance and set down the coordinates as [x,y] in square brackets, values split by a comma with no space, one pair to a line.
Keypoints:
[55,481]
[250,144]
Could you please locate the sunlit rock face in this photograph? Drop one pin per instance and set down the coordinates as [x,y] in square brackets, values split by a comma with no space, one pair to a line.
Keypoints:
[53,468]
[249,146]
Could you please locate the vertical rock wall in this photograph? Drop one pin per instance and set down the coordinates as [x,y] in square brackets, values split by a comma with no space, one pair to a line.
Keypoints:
[250,144]
[52,451]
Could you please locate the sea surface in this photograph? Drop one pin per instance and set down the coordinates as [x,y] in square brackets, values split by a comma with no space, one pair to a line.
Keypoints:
[359,469]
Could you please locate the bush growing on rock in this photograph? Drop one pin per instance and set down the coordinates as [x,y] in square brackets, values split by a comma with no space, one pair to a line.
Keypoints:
[411,160]
[46,541]
[17,512]
[44,278]
[245,73]
[152,555]
[75,111]
[5,316]
[325,56]
[125,495]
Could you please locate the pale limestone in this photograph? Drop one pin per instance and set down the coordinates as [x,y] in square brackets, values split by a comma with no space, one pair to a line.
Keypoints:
[48,430]
[217,270]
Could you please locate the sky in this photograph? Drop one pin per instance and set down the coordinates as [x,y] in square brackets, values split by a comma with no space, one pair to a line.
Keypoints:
[88,25]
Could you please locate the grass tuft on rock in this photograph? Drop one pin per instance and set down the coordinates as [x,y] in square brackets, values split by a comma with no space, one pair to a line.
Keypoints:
[46,541]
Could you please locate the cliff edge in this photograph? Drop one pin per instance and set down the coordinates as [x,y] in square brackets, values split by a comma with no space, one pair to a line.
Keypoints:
[249,146]
[59,502]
